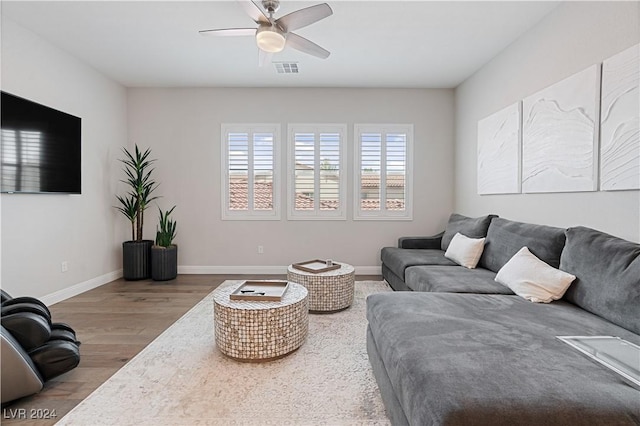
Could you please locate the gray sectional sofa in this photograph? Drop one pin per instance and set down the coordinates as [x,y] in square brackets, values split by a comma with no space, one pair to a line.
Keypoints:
[458,348]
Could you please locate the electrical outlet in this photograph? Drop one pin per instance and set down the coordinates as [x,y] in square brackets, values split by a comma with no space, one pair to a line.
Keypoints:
[260,249]
[64,266]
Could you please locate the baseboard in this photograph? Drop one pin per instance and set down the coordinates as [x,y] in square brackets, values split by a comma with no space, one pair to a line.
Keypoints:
[231,270]
[79,288]
[368,270]
[257,270]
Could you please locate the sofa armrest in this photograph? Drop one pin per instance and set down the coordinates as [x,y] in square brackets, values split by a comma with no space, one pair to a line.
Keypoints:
[433,242]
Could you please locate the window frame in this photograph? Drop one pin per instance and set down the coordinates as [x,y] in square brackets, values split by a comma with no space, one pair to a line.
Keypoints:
[316,214]
[250,128]
[383,213]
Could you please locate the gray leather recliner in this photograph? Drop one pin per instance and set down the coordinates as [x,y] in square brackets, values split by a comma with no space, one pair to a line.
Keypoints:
[34,349]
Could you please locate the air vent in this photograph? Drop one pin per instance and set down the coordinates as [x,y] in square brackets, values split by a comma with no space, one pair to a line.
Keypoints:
[286,67]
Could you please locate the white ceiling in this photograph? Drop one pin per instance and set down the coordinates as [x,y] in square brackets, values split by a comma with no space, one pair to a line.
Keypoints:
[409,44]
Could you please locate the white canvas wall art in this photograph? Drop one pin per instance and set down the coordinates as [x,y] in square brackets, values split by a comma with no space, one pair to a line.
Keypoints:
[499,152]
[559,139]
[620,122]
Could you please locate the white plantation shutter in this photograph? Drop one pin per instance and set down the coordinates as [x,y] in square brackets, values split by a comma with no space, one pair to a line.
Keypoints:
[396,171]
[249,166]
[263,171]
[369,168]
[304,171]
[383,171]
[329,170]
[316,180]
[238,168]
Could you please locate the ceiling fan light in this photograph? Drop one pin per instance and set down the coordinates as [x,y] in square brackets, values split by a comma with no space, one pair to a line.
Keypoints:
[270,39]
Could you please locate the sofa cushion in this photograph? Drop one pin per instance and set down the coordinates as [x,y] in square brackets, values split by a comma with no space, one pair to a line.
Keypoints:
[505,238]
[398,259]
[608,275]
[463,359]
[453,280]
[470,227]
[531,278]
[465,251]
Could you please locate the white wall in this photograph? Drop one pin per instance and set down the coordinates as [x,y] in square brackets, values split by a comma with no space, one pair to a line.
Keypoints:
[41,231]
[182,126]
[573,37]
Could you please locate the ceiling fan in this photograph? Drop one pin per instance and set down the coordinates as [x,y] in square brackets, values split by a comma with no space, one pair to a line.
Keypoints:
[272,35]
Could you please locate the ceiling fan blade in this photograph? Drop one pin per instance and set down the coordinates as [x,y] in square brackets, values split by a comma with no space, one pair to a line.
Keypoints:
[254,11]
[264,58]
[303,17]
[306,46]
[230,32]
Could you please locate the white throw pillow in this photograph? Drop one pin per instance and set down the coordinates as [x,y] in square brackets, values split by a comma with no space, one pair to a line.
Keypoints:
[531,278]
[465,251]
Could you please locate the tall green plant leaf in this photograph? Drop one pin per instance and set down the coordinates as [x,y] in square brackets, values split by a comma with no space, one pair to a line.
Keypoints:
[138,170]
[166,231]
[129,208]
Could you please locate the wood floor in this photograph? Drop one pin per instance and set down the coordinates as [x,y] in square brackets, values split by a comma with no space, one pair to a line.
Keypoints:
[114,322]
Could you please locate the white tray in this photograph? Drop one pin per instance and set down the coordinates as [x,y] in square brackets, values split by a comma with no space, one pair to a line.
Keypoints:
[615,353]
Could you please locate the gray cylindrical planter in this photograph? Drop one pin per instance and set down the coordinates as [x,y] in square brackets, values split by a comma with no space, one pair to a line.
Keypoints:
[164,263]
[136,259]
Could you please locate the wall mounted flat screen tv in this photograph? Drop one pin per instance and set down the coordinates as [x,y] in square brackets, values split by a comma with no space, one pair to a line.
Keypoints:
[41,148]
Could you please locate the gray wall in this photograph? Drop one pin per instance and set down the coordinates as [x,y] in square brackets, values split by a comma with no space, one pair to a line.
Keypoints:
[571,38]
[182,126]
[41,231]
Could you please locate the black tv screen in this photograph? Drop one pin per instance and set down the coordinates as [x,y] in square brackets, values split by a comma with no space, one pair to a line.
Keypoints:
[41,148]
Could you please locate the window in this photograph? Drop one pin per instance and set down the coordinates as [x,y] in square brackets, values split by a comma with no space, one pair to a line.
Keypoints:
[316,174]
[250,171]
[383,156]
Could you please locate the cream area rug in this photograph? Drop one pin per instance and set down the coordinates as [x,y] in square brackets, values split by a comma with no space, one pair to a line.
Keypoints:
[181,378]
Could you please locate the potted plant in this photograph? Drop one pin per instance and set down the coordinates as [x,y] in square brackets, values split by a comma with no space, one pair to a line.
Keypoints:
[136,253]
[164,254]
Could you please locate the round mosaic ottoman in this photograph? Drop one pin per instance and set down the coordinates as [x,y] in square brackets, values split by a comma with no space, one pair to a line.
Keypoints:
[260,331]
[330,291]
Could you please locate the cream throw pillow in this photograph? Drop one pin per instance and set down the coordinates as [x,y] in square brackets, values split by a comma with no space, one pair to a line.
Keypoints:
[465,251]
[531,278]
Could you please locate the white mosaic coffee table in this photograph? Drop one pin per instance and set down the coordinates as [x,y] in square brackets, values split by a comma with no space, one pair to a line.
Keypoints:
[330,291]
[260,331]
